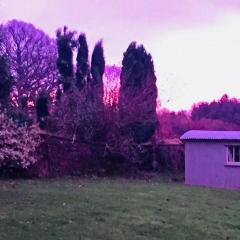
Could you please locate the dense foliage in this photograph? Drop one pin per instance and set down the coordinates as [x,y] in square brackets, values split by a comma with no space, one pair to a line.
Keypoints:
[138,94]
[217,115]
[76,118]
[97,63]
[225,109]
[82,74]
[111,109]
[65,45]
[79,114]
[96,83]
[18,145]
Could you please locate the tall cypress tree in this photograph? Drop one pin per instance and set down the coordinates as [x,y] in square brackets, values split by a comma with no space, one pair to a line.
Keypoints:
[65,44]
[98,64]
[82,73]
[138,94]
[97,71]
[6,81]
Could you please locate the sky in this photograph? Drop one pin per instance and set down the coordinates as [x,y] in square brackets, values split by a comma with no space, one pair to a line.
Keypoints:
[195,44]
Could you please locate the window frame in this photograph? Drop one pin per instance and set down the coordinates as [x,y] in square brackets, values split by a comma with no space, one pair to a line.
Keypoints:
[232,163]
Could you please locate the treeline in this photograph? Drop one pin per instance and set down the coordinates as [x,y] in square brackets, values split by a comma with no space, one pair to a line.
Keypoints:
[223,114]
[38,75]
[225,109]
[47,94]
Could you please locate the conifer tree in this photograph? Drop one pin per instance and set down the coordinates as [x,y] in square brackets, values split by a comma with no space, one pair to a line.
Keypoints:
[82,73]
[138,94]
[65,44]
[97,63]
[97,71]
[96,91]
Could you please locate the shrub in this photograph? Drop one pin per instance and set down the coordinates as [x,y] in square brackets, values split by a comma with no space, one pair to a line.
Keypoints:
[77,117]
[18,145]
[170,159]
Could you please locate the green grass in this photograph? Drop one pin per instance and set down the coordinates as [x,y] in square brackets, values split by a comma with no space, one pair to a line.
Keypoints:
[116,209]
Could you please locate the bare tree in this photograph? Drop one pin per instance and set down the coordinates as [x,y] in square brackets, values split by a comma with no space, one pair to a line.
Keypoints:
[32,55]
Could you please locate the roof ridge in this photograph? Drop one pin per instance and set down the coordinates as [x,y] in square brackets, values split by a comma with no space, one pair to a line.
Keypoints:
[210,135]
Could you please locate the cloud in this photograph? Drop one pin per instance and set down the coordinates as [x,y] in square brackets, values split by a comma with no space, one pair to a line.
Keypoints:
[193,42]
[200,64]
[120,11]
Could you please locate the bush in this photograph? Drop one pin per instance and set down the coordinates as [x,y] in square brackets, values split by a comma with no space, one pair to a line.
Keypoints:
[170,159]
[17,144]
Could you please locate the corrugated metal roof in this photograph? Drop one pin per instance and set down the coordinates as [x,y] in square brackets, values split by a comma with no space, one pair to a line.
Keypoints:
[211,135]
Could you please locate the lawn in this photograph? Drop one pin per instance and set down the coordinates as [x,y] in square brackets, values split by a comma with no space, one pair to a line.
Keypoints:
[116,209]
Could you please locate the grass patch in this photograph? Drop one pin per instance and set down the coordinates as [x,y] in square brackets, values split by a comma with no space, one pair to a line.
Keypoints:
[116,209]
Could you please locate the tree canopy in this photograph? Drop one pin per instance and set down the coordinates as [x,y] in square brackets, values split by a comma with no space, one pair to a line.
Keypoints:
[65,44]
[82,74]
[138,94]
[32,58]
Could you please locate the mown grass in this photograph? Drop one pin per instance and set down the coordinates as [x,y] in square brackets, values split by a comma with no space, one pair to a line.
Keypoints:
[116,209]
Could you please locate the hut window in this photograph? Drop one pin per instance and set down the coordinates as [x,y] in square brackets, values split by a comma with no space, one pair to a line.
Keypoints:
[233,154]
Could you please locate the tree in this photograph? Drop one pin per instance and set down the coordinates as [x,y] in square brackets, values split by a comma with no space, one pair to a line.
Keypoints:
[65,44]
[174,124]
[32,59]
[6,81]
[138,94]
[79,114]
[97,71]
[82,74]
[97,63]
[225,109]
[42,108]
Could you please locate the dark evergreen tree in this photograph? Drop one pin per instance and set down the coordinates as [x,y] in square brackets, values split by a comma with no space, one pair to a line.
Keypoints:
[42,110]
[138,94]
[6,81]
[82,73]
[97,71]
[97,64]
[65,44]
[83,110]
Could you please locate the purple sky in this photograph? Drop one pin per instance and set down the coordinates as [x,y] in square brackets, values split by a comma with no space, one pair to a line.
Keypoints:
[195,43]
